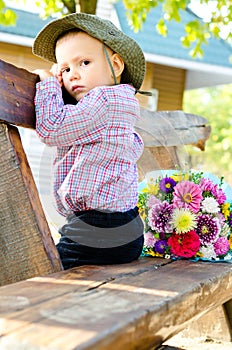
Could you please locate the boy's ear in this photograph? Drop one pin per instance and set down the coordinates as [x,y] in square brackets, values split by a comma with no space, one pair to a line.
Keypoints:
[117,63]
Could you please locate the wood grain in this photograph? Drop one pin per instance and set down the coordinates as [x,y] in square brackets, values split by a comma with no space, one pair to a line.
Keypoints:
[17,88]
[132,306]
[27,248]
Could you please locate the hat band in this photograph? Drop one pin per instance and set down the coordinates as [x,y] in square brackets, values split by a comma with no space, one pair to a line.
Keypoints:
[110,64]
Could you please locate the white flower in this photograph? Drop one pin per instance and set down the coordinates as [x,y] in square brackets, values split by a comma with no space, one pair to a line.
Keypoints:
[225,231]
[208,252]
[210,205]
[183,220]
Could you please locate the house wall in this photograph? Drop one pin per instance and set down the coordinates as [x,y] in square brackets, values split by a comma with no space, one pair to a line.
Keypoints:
[170,83]
[21,56]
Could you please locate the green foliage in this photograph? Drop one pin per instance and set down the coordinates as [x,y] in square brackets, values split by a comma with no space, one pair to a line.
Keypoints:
[51,8]
[215,105]
[137,11]
[197,32]
[7,17]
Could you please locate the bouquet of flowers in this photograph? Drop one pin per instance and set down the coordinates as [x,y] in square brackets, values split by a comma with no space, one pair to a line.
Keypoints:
[186,215]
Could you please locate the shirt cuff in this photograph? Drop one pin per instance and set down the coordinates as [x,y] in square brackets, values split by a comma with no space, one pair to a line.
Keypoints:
[50,84]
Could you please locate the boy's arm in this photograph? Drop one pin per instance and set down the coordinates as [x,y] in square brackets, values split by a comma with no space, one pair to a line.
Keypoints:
[60,124]
[53,72]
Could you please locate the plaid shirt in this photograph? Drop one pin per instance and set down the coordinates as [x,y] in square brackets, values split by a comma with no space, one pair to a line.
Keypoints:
[97,148]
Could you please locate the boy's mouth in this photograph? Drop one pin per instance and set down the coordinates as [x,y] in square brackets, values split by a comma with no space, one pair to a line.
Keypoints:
[77,88]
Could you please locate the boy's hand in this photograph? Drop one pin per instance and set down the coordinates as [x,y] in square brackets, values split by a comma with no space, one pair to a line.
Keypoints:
[57,73]
[53,72]
[43,73]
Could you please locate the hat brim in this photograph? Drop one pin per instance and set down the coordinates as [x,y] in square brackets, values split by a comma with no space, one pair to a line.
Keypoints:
[101,29]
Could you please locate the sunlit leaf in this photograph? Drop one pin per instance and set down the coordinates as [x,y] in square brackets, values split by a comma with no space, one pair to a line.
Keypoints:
[162,28]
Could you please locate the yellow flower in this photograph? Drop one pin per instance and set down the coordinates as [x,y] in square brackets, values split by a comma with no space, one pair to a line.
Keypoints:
[143,214]
[151,252]
[226,210]
[199,255]
[230,241]
[151,188]
[180,177]
[183,220]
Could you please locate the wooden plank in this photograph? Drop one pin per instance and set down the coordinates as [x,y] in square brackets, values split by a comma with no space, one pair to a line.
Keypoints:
[27,248]
[83,279]
[135,310]
[158,158]
[228,313]
[172,128]
[17,88]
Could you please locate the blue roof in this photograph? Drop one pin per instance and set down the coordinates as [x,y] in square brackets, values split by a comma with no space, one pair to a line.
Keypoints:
[28,24]
[216,52]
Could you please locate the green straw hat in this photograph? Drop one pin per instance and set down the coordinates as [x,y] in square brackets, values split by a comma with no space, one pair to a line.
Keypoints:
[101,29]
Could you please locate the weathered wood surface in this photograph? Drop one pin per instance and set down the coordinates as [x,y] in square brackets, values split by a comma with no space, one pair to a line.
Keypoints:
[27,248]
[165,134]
[131,306]
[17,88]
[173,128]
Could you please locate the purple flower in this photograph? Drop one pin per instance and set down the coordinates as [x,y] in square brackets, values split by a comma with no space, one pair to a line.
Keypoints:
[167,184]
[159,217]
[160,246]
[207,228]
[221,246]
[230,219]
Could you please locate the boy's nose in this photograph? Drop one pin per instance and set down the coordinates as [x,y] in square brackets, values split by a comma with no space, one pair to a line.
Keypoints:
[74,74]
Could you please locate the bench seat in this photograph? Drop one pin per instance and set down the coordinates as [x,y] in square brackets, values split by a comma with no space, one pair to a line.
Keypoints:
[132,306]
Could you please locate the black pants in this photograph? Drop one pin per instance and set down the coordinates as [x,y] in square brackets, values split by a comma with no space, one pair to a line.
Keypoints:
[98,238]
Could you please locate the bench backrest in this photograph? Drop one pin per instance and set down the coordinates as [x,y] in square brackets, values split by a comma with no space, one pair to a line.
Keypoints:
[26,245]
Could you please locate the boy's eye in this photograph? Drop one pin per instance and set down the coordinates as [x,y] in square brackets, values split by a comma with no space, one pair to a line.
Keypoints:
[65,70]
[85,63]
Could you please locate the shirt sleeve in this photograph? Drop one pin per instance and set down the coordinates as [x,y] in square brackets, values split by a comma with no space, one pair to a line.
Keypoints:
[59,125]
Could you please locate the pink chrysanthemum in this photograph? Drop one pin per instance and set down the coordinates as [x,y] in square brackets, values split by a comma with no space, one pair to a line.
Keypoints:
[152,200]
[208,186]
[159,217]
[208,228]
[221,246]
[187,195]
[149,239]
[221,219]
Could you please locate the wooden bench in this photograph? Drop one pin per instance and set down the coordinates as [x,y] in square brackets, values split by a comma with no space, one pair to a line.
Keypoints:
[131,306]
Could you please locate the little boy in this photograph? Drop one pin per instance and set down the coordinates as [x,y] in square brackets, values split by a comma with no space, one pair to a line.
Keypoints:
[95,172]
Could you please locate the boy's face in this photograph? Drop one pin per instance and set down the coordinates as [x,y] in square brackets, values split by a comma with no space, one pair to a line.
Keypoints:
[83,64]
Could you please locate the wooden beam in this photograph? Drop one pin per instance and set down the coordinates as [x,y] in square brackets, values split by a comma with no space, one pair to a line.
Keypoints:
[17,88]
[27,248]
